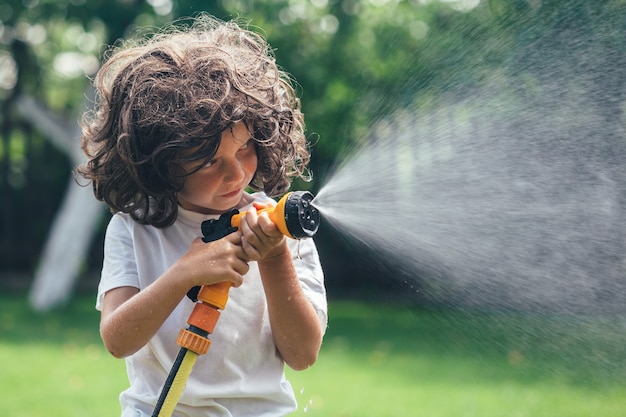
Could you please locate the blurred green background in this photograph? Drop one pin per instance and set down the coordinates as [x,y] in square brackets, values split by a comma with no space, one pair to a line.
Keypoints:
[355,62]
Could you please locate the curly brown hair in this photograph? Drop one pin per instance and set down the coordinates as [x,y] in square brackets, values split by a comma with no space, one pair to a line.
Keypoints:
[180,89]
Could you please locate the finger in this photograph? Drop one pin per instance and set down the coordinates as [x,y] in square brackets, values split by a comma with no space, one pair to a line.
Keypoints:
[242,268]
[250,250]
[240,252]
[267,226]
[261,225]
[236,279]
[247,218]
[260,206]
[249,226]
[234,238]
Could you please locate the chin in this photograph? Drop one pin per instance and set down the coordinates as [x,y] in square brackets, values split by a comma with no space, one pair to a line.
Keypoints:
[230,203]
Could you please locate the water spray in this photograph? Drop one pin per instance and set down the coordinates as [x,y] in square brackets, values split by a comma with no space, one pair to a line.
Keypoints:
[295,217]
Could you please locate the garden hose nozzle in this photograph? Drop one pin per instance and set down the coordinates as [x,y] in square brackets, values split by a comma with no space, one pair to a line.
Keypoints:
[294,215]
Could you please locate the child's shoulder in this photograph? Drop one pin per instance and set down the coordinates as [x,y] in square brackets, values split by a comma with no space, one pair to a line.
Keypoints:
[122,222]
[260,197]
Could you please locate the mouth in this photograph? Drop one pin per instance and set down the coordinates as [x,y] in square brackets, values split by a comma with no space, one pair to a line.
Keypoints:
[232,193]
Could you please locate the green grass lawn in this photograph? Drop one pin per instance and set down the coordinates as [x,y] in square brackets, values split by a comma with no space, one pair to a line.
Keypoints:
[377,360]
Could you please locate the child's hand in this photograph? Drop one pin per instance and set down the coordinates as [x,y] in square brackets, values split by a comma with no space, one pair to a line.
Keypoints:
[217,261]
[261,239]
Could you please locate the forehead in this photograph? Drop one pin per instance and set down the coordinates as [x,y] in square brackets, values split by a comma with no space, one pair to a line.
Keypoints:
[238,133]
[235,136]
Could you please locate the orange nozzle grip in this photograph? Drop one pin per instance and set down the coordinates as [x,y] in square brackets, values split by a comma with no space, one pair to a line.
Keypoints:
[204,316]
[216,294]
[276,214]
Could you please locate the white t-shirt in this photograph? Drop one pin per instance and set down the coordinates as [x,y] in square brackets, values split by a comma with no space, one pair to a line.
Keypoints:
[242,374]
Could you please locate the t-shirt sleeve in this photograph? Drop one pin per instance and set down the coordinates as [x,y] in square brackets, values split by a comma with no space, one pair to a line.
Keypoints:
[119,268]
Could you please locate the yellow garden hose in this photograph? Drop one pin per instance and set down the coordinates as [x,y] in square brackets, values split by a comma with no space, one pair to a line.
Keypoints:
[178,384]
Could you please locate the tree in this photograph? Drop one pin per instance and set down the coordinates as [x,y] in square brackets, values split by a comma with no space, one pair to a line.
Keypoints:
[356,62]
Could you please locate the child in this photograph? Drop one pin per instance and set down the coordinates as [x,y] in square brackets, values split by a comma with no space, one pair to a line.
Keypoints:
[185,122]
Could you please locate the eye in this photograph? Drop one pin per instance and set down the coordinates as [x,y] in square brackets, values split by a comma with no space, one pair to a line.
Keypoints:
[247,144]
[208,164]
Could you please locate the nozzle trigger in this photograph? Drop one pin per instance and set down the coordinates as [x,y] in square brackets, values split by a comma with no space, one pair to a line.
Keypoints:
[216,229]
[212,230]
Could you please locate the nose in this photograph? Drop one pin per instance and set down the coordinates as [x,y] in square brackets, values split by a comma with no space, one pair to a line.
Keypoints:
[233,171]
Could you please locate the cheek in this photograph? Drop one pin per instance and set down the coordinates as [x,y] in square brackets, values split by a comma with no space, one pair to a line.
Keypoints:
[251,165]
[198,183]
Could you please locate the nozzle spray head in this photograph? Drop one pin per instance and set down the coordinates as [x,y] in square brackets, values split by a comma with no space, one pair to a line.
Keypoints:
[302,219]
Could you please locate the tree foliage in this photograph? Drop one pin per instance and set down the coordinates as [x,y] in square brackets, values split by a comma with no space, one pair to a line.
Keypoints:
[355,61]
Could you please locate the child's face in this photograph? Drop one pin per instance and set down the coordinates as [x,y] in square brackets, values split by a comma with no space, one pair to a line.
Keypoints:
[219,186]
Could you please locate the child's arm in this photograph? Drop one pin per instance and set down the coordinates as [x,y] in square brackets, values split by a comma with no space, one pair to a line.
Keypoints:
[131,317]
[295,324]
